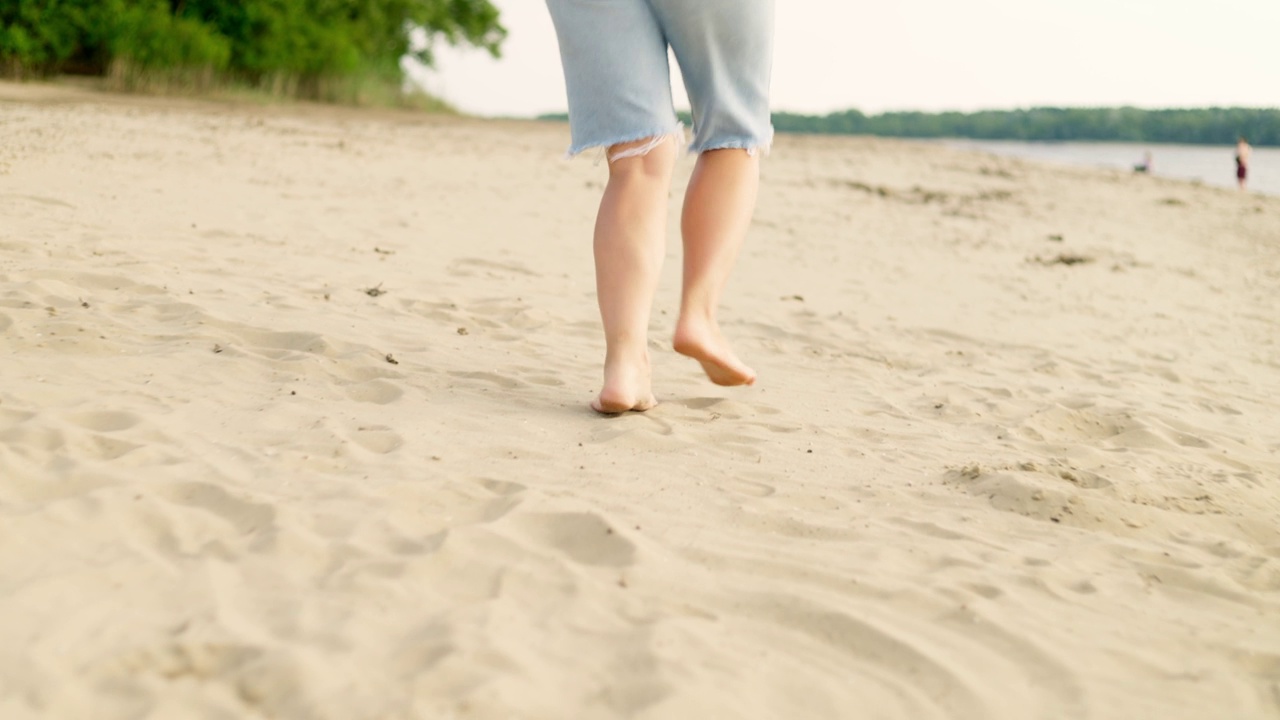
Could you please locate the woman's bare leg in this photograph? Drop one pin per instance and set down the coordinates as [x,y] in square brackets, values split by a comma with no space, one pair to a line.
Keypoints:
[717,211]
[630,242]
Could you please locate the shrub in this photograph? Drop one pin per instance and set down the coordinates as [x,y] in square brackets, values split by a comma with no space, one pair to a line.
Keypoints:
[148,46]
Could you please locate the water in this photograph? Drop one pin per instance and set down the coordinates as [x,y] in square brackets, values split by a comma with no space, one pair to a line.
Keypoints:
[1208,164]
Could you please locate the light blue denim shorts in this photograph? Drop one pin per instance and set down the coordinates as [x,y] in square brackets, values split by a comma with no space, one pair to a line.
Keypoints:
[614,54]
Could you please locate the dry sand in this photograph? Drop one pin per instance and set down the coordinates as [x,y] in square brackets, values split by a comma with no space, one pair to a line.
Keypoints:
[976,479]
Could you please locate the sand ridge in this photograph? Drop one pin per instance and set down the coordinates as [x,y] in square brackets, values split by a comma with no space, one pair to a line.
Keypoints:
[1013,452]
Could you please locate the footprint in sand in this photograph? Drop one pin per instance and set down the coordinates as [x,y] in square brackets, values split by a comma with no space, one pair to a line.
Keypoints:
[244,515]
[48,202]
[108,448]
[378,392]
[305,342]
[750,488]
[506,383]
[105,420]
[585,537]
[444,312]
[468,267]
[377,439]
[501,487]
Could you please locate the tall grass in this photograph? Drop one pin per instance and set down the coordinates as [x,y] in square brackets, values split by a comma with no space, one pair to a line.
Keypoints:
[363,90]
[150,49]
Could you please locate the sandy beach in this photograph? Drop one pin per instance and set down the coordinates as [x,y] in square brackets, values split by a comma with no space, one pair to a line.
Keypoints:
[294,424]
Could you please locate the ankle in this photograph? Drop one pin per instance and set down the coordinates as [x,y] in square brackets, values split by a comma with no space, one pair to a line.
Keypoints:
[629,354]
[695,318]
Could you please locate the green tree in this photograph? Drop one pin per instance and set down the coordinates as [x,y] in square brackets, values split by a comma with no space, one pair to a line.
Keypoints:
[303,47]
[1216,126]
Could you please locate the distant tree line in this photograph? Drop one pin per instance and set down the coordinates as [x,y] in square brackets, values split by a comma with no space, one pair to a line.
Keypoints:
[307,48]
[1203,126]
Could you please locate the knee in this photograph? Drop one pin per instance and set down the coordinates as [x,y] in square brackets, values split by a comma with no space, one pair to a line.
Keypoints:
[647,158]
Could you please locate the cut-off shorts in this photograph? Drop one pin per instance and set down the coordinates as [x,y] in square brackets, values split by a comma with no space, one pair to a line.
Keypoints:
[618,79]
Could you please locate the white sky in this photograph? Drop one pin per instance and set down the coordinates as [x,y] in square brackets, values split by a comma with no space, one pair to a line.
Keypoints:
[942,55]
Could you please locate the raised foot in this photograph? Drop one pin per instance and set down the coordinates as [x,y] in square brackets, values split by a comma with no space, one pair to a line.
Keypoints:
[712,352]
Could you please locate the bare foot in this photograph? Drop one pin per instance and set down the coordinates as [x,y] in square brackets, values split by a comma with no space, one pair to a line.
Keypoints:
[626,388]
[702,341]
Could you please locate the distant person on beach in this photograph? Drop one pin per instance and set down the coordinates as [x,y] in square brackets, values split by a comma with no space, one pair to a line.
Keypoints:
[1243,151]
[1145,166]
[614,55]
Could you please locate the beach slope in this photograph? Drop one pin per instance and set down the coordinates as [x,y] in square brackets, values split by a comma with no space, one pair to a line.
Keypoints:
[294,424]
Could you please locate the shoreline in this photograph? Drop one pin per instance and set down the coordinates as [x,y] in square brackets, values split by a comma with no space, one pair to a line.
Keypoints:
[1196,164]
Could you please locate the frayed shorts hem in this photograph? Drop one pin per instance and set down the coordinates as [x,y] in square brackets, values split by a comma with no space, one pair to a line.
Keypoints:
[753,146]
[658,136]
